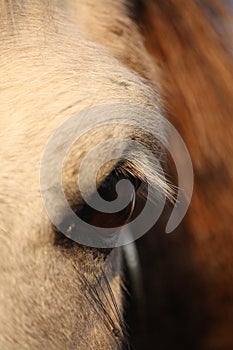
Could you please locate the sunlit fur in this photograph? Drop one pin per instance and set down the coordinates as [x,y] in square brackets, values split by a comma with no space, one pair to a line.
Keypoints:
[56,59]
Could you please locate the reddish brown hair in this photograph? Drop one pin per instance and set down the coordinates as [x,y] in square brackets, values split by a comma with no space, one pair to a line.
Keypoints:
[192,42]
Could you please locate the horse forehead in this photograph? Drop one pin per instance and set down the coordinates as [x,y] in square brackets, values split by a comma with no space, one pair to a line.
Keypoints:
[45,79]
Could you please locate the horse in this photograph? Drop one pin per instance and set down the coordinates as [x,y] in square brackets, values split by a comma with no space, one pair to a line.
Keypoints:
[74,62]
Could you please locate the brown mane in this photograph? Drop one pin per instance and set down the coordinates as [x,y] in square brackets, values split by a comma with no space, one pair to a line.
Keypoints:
[192,41]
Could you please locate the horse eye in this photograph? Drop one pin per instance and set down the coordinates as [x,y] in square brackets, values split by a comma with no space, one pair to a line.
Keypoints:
[107,191]
[99,219]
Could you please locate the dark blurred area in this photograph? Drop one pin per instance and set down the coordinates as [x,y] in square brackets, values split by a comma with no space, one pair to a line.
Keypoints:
[187,275]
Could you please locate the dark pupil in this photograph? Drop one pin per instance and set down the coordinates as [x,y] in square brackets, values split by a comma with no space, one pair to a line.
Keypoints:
[107,192]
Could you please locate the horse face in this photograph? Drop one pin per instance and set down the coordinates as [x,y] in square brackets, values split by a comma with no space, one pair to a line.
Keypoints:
[56,60]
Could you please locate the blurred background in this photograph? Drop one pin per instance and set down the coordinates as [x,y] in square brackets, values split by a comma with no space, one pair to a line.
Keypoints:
[185,298]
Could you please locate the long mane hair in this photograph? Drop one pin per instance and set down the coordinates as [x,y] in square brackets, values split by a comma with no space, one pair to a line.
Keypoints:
[192,41]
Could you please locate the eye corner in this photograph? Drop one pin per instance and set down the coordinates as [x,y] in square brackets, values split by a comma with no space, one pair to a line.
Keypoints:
[62,241]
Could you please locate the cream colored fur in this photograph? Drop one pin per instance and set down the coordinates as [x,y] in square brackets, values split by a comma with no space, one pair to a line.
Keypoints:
[56,59]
